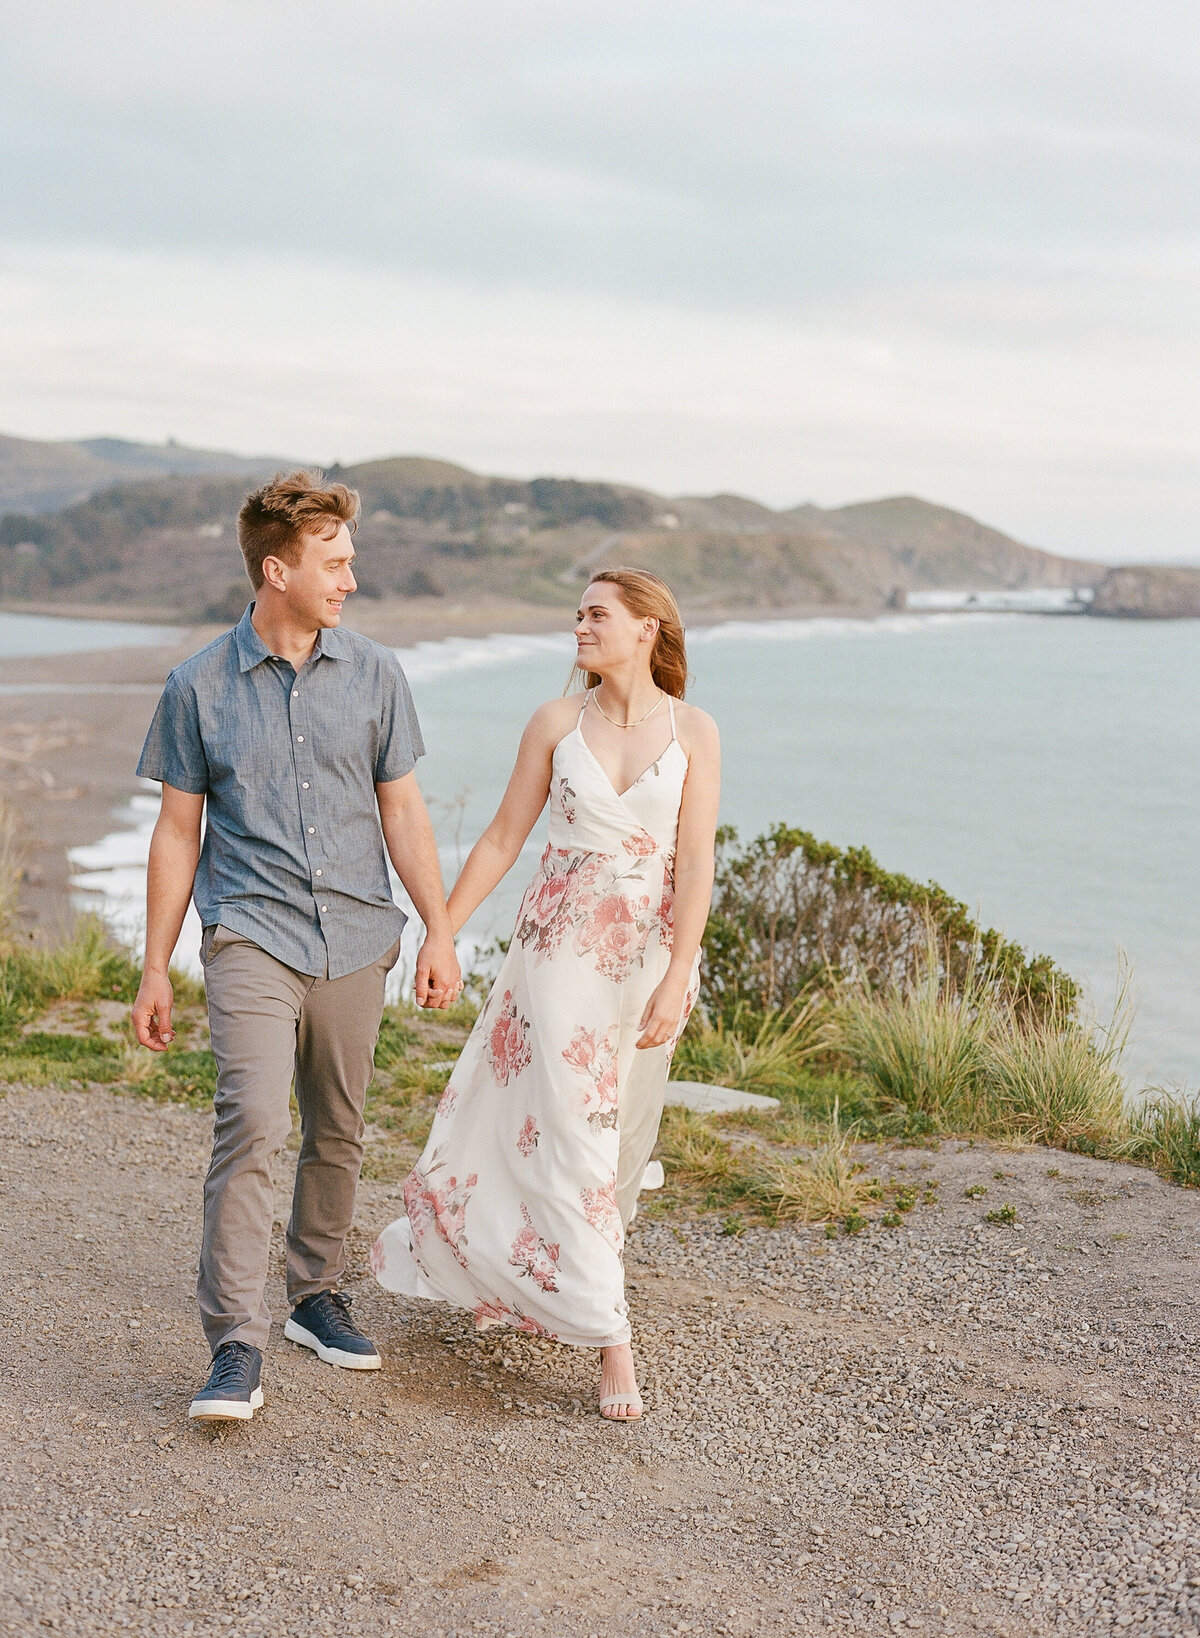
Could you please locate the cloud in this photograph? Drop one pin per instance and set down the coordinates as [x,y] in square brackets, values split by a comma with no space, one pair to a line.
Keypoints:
[824,250]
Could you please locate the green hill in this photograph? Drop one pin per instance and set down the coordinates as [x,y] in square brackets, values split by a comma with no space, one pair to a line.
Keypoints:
[37,476]
[431,529]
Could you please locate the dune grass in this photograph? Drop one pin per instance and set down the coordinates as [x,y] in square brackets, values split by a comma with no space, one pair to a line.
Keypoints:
[901,1064]
[1165,1133]
[763,1054]
[970,1060]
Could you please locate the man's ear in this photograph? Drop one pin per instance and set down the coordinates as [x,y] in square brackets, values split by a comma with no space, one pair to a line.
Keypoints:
[275,573]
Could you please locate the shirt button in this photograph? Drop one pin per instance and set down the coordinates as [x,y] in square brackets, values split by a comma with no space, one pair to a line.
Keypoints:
[320,872]
[295,693]
[324,907]
[304,784]
[312,830]
[299,739]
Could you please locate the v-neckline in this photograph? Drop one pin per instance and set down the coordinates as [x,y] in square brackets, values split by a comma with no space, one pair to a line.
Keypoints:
[621,795]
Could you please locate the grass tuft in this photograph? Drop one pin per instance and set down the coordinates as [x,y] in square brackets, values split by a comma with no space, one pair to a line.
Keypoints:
[1166,1134]
[826,1183]
[765,1054]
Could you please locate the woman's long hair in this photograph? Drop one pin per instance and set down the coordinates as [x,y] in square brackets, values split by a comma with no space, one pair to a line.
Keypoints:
[646,596]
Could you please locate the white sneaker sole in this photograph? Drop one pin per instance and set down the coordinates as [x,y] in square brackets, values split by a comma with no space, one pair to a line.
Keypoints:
[331,1356]
[226,1410]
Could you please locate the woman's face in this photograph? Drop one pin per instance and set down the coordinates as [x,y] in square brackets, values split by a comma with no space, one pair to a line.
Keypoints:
[607,634]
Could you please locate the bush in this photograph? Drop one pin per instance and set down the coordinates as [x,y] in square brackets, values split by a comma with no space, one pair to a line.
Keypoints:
[790,912]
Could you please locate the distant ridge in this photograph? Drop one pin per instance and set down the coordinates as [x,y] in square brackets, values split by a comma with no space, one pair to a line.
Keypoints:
[38,476]
[157,526]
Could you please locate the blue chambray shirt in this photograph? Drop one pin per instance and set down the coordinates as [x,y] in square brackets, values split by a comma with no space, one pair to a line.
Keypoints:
[293,854]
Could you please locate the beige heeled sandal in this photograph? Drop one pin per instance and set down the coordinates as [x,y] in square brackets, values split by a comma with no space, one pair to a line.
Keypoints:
[632,1398]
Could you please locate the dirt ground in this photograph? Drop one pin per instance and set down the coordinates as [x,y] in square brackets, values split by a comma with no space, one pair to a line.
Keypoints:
[960,1426]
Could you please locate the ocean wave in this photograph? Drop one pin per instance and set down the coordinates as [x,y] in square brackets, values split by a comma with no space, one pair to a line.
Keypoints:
[818,626]
[427,660]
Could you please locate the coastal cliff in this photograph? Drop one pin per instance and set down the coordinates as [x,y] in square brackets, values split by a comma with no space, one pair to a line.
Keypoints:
[1149,591]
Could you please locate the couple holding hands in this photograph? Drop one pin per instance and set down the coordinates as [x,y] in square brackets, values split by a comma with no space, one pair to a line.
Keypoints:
[286,752]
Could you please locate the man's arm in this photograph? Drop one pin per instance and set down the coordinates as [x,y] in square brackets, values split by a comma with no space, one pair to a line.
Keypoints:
[412,848]
[174,855]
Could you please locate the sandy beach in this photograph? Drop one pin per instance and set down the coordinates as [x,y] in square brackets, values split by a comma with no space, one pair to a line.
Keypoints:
[72,725]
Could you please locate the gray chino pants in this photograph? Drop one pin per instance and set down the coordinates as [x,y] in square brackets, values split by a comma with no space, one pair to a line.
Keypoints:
[269,1023]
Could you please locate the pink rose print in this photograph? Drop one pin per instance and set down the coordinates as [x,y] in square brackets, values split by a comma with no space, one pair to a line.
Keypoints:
[602,1212]
[490,1313]
[527,1142]
[448,1099]
[442,1210]
[496,1313]
[595,1056]
[664,919]
[534,1256]
[557,899]
[641,844]
[377,1258]
[508,1042]
[616,933]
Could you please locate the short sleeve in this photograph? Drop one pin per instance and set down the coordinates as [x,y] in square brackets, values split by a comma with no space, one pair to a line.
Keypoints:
[174,750]
[400,742]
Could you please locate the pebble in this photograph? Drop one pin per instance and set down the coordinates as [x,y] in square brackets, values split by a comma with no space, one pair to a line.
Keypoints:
[952,1426]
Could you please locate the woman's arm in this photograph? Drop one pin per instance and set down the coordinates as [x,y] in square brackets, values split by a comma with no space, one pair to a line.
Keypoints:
[496,851]
[412,848]
[694,866]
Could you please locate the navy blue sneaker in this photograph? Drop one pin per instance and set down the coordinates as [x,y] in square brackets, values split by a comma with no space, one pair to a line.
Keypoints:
[323,1323]
[232,1392]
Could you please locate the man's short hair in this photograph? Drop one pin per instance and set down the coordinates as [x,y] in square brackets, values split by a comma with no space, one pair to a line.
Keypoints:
[274,519]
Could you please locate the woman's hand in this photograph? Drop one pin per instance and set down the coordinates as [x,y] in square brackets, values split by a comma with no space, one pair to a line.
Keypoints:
[663,1012]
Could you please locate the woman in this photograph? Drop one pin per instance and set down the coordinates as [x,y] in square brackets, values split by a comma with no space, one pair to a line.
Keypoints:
[518,1207]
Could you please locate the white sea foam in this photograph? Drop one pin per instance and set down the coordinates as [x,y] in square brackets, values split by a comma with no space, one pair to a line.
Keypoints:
[425,661]
[822,626]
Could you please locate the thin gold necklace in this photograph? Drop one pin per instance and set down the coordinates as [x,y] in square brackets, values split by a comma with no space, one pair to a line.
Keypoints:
[640,720]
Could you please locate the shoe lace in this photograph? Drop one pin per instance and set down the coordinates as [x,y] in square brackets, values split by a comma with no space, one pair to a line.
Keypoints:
[339,1318]
[229,1367]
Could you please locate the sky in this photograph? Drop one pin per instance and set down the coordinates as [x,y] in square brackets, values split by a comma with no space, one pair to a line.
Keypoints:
[817,250]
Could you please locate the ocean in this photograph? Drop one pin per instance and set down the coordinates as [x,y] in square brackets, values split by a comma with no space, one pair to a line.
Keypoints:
[1044,770]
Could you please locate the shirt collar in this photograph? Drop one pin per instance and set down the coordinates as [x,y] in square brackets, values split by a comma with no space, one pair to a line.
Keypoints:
[252,651]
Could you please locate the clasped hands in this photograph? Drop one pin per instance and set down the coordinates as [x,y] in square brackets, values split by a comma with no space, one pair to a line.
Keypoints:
[439,981]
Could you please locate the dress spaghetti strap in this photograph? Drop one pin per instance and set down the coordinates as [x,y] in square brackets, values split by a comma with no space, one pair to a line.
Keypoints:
[671,709]
[582,709]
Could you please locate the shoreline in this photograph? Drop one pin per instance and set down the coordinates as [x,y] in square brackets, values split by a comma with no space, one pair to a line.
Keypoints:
[68,753]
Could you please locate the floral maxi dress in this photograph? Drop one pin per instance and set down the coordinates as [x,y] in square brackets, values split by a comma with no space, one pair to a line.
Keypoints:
[517,1208]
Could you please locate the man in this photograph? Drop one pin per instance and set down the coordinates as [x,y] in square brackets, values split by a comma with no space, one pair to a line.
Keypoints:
[301,739]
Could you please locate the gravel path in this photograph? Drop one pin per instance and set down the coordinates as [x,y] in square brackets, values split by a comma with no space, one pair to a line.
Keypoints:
[954,1426]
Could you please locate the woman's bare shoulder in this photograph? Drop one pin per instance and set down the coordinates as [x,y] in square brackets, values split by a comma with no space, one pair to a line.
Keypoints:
[554,719]
[697,730]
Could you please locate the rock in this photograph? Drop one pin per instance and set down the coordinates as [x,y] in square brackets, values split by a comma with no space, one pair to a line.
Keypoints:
[1149,591]
[715,1100]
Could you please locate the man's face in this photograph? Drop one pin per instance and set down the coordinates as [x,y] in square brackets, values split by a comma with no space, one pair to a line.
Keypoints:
[320,581]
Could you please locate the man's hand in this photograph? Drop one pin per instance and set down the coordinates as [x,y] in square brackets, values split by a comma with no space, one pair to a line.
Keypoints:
[152,1012]
[439,977]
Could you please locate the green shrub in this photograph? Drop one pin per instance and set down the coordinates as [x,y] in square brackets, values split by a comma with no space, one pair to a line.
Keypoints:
[789,911]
